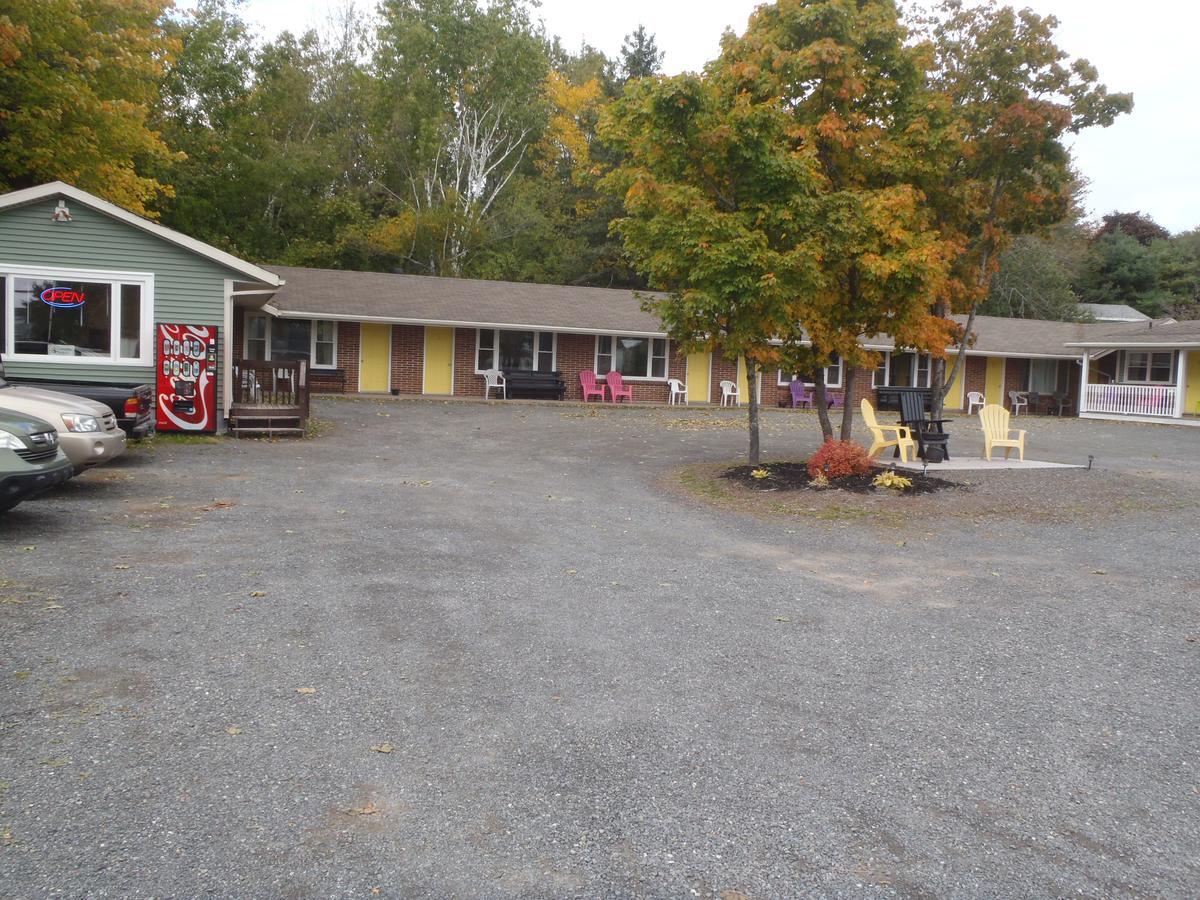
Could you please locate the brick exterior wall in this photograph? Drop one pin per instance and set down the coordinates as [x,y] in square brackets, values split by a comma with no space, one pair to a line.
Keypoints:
[466,382]
[408,358]
[974,376]
[576,352]
[347,354]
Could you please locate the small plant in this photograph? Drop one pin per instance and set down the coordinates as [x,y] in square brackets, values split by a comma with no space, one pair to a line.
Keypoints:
[890,479]
[820,481]
[760,474]
[839,459]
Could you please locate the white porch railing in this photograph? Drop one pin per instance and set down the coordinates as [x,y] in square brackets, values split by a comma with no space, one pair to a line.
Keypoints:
[1131,399]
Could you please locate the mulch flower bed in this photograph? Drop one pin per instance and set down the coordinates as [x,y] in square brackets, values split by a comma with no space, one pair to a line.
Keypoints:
[795,477]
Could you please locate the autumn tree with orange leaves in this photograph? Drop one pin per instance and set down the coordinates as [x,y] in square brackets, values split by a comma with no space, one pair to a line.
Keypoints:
[1005,98]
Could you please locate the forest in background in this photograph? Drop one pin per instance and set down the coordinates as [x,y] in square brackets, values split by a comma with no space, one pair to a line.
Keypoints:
[442,137]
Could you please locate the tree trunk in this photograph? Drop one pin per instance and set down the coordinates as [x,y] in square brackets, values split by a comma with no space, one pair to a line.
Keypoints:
[752,389]
[848,405]
[937,385]
[821,401]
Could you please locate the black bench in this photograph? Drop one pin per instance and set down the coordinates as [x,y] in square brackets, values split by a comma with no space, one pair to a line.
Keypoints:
[525,384]
[888,398]
[933,444]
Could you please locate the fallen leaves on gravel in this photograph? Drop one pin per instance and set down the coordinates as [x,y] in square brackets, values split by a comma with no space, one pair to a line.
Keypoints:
[382,748]
[258,593]
[369,810]
[122,566]
[306,690]
[233,729]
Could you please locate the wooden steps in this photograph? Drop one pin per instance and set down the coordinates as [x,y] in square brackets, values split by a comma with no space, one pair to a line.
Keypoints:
[266,421]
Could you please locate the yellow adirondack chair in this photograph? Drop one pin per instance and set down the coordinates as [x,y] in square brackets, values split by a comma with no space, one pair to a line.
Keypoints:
[996,433]
[903,439]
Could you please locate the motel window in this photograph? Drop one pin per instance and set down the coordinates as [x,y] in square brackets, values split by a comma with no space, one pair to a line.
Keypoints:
[906,369]
[511,350]
[1152,368]
[291,340]
[93,318]
[1043,376]
[879,377]
[833,375]
[324,345]
[633,357]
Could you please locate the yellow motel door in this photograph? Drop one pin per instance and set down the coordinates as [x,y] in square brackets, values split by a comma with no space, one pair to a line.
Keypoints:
[954,399]
[699,370]
[743,383]
[375,359]
[993,385]
[439,361]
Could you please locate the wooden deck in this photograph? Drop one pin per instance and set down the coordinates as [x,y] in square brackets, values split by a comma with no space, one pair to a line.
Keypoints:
[269,399]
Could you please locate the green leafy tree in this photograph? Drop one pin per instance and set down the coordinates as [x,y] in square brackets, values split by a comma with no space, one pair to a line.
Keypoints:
[1036,276]
[640,56]
[78,81]
[460,99]
[713,191]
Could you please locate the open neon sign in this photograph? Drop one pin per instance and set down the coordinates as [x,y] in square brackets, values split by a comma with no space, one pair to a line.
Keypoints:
[63,298]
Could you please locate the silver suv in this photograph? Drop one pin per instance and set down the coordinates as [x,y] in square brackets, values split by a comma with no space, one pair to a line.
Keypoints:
[87,431]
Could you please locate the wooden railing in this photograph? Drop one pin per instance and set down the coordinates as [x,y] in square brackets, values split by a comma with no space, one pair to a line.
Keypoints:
[282,385]
[1131,399]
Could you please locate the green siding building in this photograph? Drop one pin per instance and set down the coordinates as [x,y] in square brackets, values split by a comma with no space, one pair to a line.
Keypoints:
[139,274]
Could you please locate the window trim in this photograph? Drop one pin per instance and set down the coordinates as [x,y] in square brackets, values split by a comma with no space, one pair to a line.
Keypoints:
[312,338]
[914,368]
[312,353]
[537,342]
[784,381]
[145,280]
[650,357]
[1043,362]
[1150,354]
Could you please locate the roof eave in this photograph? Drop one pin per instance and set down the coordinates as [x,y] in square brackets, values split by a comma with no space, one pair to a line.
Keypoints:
[454,323]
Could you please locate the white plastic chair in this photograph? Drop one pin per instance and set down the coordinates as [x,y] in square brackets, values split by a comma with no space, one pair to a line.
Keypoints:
[975,399]
[494,380]
[1018,401]
[678,389]
[729,394]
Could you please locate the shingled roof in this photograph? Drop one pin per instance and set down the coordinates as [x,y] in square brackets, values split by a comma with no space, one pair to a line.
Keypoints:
[1147,334]
[475,303]
[427,300]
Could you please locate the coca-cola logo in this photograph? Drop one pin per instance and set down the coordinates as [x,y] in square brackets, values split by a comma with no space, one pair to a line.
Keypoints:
[63,298]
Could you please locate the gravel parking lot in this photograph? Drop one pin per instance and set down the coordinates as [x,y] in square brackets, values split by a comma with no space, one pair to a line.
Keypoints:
[467,650]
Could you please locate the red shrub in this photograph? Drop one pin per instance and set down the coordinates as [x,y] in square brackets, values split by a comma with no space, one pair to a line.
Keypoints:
[838,459]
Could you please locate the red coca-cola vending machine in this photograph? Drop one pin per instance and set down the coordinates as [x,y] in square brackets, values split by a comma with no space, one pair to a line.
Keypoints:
[187,378]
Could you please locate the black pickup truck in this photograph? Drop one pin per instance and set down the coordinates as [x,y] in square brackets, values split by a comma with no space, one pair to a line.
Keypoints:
[132,405]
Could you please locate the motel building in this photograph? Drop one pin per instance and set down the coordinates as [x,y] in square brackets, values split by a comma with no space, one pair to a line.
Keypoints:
[342,332]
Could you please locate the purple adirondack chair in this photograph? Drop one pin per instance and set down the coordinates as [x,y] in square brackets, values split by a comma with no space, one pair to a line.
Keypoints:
[801,394]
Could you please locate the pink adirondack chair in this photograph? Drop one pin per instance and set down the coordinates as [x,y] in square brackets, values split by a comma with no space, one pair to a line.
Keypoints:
[801,394]
[617,389]
[587,381]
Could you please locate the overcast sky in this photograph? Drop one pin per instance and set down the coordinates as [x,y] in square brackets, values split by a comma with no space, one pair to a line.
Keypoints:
[1147,161]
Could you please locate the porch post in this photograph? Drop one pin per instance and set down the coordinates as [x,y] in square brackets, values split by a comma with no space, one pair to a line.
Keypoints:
[1180,383]
[1083,381]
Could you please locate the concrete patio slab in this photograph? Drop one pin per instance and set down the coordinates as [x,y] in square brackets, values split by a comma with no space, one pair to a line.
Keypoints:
[974,463]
